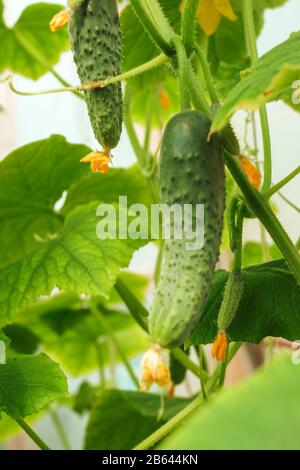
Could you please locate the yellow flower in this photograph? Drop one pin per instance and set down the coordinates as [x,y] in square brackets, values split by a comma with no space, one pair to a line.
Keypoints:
[59,20]
[99,161]
[219,348]
[210,13]
[154,370]
[253,173]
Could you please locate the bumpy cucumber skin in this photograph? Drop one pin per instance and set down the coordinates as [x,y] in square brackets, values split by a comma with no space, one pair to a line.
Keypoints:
[191,172]
[96,43]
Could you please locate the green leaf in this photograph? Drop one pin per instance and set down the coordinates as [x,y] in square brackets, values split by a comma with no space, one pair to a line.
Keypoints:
[29,48]
[84,398]
[269,79]
[253,253]
[120,420]
[91,186]
[260,414]
[22,340]
[32,179]
[227,77]
[80,342]
[29,383]
[75,260]
[70,335]
[269,306]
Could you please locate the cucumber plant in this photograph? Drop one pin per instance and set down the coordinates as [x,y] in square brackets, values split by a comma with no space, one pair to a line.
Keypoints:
[68,307]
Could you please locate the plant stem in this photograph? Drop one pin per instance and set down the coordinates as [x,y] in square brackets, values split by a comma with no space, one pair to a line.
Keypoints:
[222,373]
[60,429]
[156,62]
[32,434]
[31,49]
[164,430]
[264,213]
[249,27]
[144,158]
[140,69]
[183,68]
[237,262]
[264,243]
[99,351]
[140,153]
[197,92]
[278,186]
[231,221]
[155,23]
[207,74]
[135,307]
[186,361]
[290,203]
[148,125]
[202,372]
[213,380]
[107,328]
[188,23]
[9,81]
[167,428]
[263,238]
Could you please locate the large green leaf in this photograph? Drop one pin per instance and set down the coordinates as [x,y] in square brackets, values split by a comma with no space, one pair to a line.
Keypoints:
[29,383]
[68,336]
[32,179]
[120,420]
[91,186]
[269,306]
[261,414]
[270,78]
[68,301]
[75,260]
[29,48]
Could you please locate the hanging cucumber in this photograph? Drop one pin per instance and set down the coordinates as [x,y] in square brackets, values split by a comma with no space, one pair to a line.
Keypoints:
[191,172]
[96,42]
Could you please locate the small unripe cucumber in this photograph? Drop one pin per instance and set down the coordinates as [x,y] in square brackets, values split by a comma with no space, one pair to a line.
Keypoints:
[191,172]
[96,42]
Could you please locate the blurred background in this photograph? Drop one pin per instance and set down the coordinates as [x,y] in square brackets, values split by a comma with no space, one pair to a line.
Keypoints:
[26,119]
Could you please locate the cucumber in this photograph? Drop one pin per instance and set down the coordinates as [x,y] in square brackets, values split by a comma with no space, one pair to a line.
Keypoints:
[95,36]
[191,172]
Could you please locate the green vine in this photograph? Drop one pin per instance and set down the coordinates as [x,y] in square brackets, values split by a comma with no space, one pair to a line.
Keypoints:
[188,23]
[32,434]
[183,73]
[251,43]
